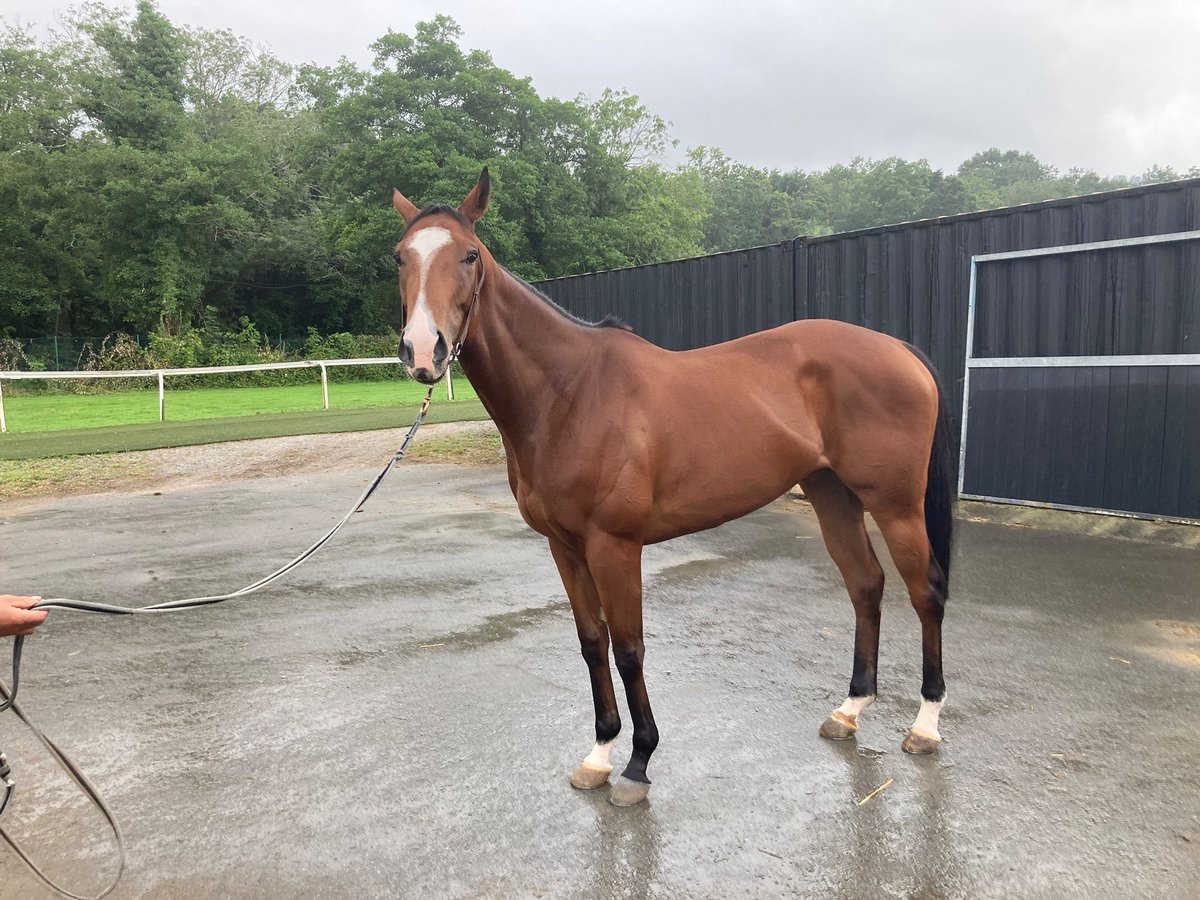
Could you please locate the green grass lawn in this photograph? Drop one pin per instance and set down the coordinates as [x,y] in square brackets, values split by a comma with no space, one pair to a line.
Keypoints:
[56,412]
[44,426]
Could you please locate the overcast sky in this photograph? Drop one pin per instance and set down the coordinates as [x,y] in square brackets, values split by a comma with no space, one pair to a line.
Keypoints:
[1111,86]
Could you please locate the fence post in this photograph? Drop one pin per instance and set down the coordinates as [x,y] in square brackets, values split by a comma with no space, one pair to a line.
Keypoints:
[3,423]
[162,400]
[450,383]
[324,388]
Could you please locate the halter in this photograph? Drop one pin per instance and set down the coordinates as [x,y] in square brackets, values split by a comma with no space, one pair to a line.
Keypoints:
[466,325]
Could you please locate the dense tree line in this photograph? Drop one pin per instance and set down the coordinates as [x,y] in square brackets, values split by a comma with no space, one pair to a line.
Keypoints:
[169,180]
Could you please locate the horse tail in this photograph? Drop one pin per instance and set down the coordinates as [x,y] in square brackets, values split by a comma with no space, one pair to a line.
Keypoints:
[941,489]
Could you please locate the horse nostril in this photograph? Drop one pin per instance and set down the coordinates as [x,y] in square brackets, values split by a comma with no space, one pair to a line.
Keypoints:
[440,351]
[406,353]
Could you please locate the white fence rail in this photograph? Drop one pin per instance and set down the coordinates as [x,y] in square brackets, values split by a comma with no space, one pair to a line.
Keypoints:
[163,374]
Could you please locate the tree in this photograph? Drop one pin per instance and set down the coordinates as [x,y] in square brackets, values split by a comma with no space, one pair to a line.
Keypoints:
[156,178]
[629,133]
[37,106]
[749,207]
[135,88]
[1004,168]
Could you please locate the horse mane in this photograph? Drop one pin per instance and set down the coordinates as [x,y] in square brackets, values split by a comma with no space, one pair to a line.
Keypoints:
[609,321]
[438,209]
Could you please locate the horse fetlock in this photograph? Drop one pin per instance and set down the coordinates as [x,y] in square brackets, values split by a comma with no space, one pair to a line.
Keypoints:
[843,721]
[607,729]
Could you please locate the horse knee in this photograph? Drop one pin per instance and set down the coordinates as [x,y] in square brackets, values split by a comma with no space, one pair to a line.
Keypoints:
[593,645]
[866,589]
[629,659]
[929,604]
[594,652]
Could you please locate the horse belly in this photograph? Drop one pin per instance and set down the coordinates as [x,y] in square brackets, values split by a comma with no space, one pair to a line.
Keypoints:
[716,488]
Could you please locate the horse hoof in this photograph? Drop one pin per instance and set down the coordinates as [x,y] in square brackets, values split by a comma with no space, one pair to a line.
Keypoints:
[918,743]
[626,792]
[838,728]
[588,777]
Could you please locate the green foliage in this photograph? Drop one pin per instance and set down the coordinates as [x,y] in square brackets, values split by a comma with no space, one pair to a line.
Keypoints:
[187,184]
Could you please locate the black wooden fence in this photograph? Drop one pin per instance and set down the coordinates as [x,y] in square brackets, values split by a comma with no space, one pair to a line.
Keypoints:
[690,302]
[912,281]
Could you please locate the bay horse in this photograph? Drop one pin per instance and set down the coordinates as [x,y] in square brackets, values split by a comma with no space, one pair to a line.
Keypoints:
[613,443]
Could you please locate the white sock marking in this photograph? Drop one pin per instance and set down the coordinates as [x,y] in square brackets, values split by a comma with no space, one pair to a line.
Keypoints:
[926,723]
[601,756]
[854,706]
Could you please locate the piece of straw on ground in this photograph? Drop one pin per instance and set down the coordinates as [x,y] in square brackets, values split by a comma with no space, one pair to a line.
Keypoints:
[879,790]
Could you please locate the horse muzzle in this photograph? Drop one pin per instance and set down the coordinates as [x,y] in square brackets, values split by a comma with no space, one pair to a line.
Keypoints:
[431,370]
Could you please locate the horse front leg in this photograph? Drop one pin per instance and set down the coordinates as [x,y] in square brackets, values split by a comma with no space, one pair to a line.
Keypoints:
[593,644]
[616,568]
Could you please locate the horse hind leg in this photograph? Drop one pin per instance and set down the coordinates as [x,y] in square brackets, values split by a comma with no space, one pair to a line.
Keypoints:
[840,514]
[908,543]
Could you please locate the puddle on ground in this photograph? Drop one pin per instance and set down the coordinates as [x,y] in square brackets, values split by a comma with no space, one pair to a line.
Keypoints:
[659,561]
[493,629]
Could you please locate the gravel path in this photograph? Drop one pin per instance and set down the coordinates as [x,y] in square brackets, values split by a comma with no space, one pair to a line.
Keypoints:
[175,467]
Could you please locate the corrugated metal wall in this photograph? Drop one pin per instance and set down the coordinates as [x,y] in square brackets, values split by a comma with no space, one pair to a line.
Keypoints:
[908,280]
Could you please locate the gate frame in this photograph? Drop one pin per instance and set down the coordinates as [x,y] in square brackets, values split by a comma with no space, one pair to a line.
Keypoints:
[1031,362]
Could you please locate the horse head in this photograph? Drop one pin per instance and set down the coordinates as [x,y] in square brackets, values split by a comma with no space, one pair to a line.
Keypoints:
[441,269]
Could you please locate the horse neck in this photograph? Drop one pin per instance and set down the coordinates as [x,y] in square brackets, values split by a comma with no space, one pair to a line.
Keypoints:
[521,353]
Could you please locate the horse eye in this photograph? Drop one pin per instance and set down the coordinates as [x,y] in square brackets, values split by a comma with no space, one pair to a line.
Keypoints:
[399,260]
[472,256]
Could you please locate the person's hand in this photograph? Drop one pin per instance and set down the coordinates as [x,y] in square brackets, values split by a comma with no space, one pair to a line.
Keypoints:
[16,617]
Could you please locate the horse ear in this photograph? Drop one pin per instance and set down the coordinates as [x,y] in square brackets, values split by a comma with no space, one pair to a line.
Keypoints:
[404,206]
[476,203]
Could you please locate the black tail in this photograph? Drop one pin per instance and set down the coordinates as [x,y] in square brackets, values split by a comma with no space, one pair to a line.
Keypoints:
[941,491]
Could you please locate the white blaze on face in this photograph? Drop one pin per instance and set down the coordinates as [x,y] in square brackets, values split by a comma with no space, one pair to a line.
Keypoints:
[421,331]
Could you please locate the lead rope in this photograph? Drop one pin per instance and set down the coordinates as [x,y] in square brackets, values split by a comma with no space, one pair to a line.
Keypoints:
[9,696]
[61,758]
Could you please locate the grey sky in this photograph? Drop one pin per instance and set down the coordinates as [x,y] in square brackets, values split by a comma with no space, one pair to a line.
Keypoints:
[1111,86]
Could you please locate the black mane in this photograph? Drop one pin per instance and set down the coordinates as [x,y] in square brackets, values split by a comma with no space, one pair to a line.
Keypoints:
[440,209]
[609,321]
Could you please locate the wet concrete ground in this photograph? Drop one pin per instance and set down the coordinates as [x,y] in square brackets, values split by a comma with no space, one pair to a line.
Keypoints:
[402,716]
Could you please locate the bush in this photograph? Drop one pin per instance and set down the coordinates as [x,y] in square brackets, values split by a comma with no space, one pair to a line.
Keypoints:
[117,352]
[343,345]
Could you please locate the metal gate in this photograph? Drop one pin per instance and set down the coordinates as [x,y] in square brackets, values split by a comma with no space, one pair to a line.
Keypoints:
[1082,381]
